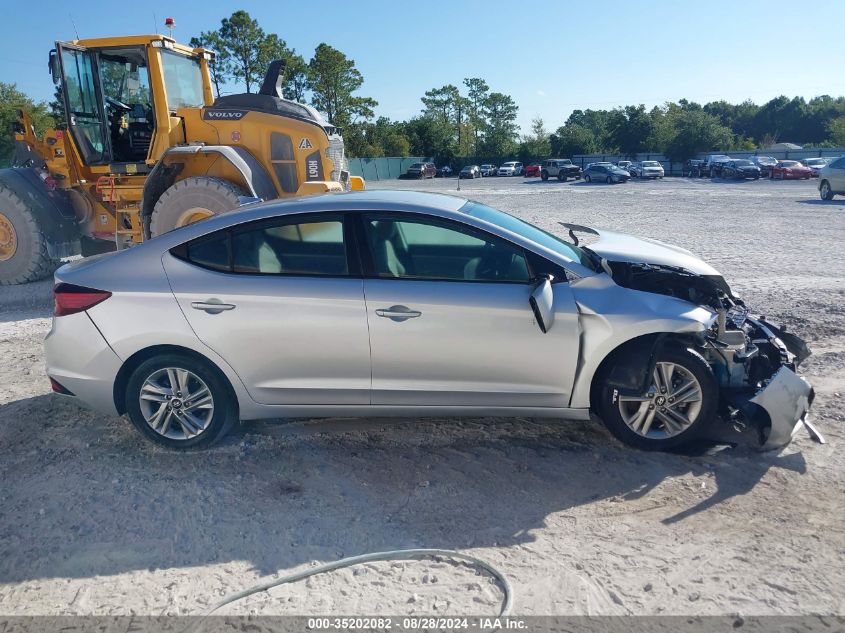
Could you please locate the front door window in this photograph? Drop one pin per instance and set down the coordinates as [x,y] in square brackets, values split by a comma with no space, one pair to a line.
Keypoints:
[84,108]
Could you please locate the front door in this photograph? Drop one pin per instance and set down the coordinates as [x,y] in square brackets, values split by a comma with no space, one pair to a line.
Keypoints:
[83,103]
[281,302]
[450,321]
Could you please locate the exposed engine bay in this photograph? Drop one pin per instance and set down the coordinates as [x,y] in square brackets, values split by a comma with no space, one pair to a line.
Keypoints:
[751,358]
[754,361]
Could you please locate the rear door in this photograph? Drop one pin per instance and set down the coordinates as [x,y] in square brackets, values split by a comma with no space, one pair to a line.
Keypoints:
[450,320]
[282,301]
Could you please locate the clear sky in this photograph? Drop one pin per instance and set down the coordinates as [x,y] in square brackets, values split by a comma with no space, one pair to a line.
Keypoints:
[552,56]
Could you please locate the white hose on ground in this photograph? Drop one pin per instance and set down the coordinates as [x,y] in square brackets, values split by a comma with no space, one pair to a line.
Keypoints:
[399,554]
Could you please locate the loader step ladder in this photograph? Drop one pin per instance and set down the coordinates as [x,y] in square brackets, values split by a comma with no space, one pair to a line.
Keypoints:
[125,200]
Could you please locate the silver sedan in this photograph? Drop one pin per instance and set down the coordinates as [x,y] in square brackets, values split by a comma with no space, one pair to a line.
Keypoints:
[411,304]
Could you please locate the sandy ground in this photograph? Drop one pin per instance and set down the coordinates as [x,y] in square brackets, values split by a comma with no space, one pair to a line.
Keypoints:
[94,520]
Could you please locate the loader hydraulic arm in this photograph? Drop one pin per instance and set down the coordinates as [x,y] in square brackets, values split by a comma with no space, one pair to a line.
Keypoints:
[30,151]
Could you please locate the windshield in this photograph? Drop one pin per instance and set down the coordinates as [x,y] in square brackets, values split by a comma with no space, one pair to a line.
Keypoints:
[183,80]
[766,160]
[651,163]
[815,161]
[743,163]
[788,163]
[529,231]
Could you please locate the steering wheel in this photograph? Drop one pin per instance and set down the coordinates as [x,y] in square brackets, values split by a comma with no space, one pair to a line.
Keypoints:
[118,105]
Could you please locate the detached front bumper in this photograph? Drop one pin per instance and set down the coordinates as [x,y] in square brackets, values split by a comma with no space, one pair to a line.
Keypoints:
[781,407]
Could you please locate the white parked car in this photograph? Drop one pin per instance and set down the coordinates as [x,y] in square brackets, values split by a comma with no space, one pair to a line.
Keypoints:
[646,169]
[512,168]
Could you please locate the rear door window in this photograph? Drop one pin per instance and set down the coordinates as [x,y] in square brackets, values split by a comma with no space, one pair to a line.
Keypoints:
[293,245]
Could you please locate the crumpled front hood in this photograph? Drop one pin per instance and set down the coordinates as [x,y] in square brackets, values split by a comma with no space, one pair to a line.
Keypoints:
[619,247]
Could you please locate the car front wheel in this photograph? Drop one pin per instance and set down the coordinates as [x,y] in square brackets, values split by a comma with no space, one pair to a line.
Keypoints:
[678,405]
[825,191]
[587,178]
[180,402]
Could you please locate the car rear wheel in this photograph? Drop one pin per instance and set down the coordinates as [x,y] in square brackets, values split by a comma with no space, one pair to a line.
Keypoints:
[678,405]
[180,402]
[544,175]
[825,191]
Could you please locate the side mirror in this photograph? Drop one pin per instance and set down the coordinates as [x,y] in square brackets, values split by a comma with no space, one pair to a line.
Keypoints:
[53,66]
[542,301]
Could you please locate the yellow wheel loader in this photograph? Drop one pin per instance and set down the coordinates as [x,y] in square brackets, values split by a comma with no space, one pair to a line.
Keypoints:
[147,148]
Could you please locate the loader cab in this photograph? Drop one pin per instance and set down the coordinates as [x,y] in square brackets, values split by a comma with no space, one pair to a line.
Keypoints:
[114,95]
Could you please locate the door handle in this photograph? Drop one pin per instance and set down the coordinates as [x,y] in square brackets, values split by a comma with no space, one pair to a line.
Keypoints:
[398,313]
[212,306]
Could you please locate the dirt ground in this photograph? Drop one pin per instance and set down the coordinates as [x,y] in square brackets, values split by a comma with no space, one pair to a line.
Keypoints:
[95,520]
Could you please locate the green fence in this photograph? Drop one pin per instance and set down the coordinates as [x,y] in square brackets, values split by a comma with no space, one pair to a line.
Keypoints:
[383,168]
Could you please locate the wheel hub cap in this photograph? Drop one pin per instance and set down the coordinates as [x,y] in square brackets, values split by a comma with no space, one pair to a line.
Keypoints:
[8,238]
[176,403]
[670,406]
[193,215]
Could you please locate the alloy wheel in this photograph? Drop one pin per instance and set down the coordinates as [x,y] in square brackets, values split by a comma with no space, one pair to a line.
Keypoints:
[176,403]
[669,407]
[8,239]
[825,191]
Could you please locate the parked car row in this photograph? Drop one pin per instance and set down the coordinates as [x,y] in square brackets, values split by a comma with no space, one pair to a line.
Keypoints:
[722,166]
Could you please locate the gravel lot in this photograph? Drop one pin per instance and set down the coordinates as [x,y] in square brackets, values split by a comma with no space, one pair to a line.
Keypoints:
[94,520]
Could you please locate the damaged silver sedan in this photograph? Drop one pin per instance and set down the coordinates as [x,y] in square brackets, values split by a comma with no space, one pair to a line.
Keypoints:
[392,303]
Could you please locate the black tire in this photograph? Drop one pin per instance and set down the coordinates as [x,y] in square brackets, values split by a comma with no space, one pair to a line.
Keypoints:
[23,246]
[225,413]
[609,408]
[561,176]
[213,195]
[826,191]
[544,175]
[609,180]
[587,178]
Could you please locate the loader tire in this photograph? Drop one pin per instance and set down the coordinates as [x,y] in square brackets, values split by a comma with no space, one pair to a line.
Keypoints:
[23,247]
[192,200]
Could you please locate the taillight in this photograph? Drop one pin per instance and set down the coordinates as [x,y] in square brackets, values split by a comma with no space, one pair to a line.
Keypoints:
[70,299]
[59,388]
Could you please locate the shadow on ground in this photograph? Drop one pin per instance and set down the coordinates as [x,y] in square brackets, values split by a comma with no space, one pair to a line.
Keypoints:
[85,496]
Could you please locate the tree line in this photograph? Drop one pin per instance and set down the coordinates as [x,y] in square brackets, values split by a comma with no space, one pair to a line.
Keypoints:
[473,121]
[681,130]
